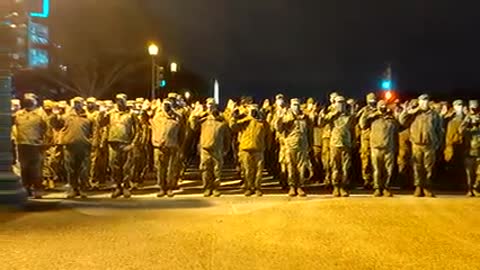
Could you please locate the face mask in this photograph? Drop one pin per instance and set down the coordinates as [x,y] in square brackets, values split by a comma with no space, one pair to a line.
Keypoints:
[423,104]
[121,103]
[77,106]
[254,113]
[90,106]
[167,107]
[340,106]
[295,108]
[458,109]
[29,103]
[279,102]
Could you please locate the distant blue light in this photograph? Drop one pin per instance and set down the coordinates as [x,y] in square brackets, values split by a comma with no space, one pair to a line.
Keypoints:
[163,83]
[386,85]
[45,10]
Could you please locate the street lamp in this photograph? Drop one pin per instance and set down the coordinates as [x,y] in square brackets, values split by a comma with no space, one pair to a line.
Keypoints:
[187,95]
[173,67]
[153,51]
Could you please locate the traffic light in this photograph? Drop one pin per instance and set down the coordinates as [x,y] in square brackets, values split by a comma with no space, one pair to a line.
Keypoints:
[162,83]
[386,85]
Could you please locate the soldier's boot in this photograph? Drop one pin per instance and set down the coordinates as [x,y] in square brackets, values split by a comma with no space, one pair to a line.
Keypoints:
[161,193]
[336,191]
[377,193]
[170,193]
[37,194]
[258,192]
[117,193]
[248,193]
[51,183]
[83,194]
[428,193]
[387,193]
[301,192]
[470,193]
[216,193]
[292,192]
[72,193]
[344,192]
[207,192]
[476,192]
[126,193]
[418,192]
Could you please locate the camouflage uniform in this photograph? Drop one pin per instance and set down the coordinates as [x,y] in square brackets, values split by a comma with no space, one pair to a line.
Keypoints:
[122,138]
[77,129]
[365,152]
[296,128]
[470,129]
[166,138]
[214,144]
[342,127]
[31,126]
[252,136]
[383,141]
[425,134]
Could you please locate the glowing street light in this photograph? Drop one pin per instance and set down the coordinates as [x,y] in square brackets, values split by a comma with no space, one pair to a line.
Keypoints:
[153,49]
[187,95]
[173,67]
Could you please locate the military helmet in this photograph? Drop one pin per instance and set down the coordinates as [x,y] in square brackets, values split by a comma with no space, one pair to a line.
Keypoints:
[381,104]
[295,101]
[350,101]
[77,99]
[16,101]
[473,104]
[339,99]
[211,101]
[279,96]
[91,100]
[30,96]
[139,100]
[424,97]
[371,97]
[172,95]
[121,96]
[333,95]
[47,103]
[458,102]
[310,100]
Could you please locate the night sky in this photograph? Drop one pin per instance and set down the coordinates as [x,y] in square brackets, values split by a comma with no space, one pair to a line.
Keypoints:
[309,47]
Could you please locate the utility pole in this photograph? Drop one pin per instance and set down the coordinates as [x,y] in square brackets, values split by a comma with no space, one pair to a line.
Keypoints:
[11,190]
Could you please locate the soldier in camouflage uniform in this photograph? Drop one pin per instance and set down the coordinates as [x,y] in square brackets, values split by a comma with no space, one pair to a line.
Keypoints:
[279,148]
[252,136]
[326,132]
[383,142]
[214,145]
[341,124]
[425,134]
[51,156]
[166,139]
[365,153]
[122,138]
[454,151]
[470,129]
[77,130]
[296,128]
[31,126]
[92,114]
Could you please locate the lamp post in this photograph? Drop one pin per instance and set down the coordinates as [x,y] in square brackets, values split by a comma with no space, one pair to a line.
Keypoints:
[153,51]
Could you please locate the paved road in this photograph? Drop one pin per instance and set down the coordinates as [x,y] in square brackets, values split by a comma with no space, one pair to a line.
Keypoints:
[234,232]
